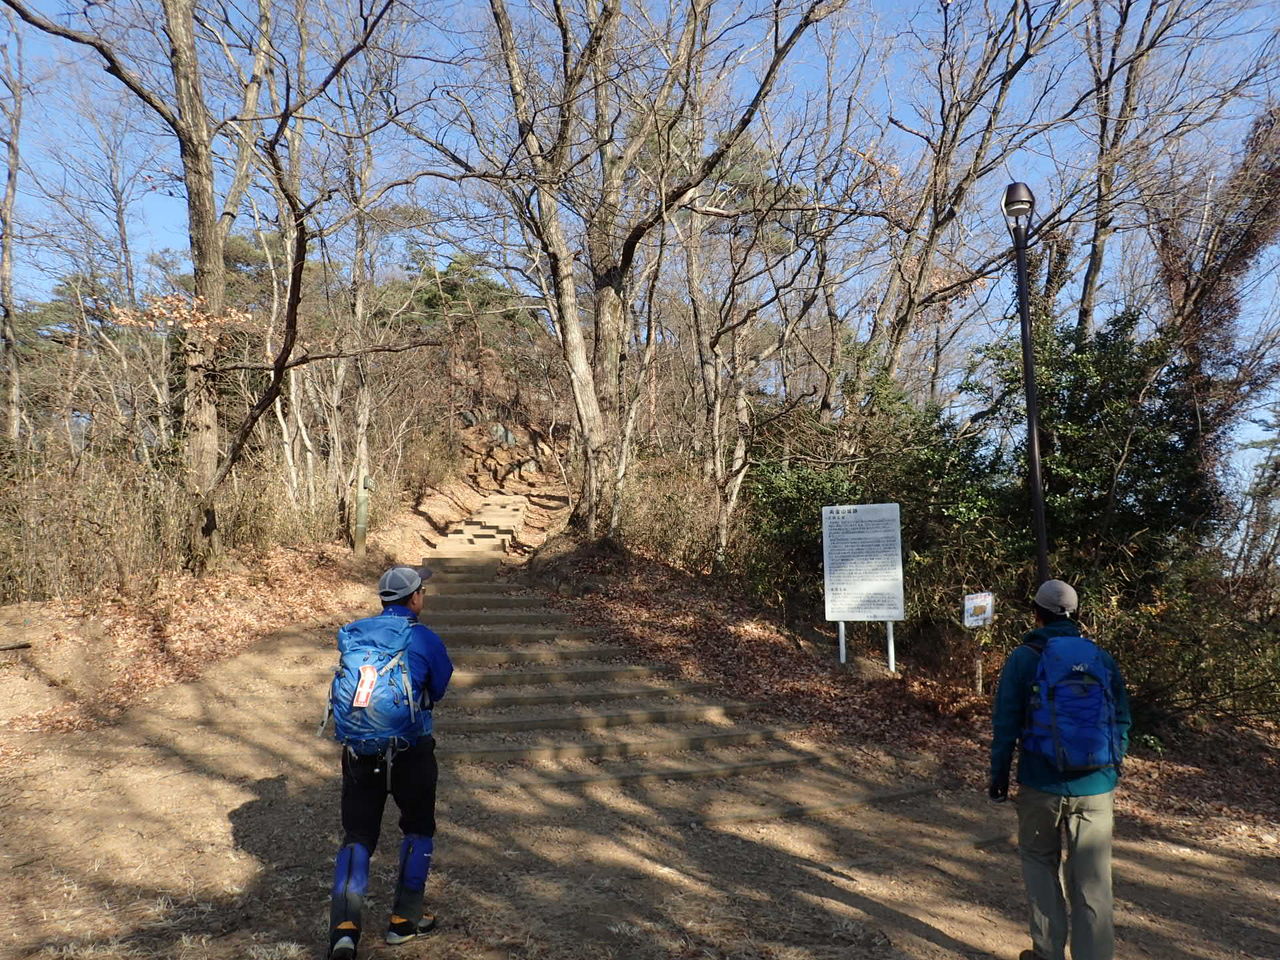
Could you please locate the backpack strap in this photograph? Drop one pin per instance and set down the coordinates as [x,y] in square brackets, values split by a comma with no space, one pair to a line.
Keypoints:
[392,662]
[328,715]
[1038,643]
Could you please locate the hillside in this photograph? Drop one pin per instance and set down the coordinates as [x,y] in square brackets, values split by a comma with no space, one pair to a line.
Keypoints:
[653,770]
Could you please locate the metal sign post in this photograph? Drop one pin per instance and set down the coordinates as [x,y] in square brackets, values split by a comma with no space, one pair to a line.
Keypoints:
[862,568]
[979,612]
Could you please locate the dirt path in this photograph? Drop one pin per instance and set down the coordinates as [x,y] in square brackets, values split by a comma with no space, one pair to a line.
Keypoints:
[203,823]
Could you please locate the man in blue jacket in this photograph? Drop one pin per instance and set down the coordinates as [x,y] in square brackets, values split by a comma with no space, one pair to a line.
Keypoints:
[1058,813]
[408,772]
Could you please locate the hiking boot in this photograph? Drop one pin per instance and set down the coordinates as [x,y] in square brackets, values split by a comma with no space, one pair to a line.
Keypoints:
[1029,955]
[343,940]
[400,930]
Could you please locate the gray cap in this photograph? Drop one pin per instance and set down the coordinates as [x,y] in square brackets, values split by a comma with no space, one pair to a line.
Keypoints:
[1057,597]
[400,582]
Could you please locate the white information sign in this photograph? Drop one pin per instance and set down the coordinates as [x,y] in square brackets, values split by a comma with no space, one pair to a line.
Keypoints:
[979,609]
[862,562]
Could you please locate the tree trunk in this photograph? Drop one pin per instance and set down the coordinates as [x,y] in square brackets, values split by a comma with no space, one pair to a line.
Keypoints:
[630,413]
[364,409]
[200,409]
[591,422]
[831,372]
[358,182]
[731,484]
[303,436]
[12,400]
[286,450]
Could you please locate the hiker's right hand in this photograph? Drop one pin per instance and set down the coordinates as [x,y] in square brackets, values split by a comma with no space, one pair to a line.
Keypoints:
[998,789]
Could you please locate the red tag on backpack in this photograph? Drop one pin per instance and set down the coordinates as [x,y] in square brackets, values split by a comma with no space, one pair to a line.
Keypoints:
[364,689]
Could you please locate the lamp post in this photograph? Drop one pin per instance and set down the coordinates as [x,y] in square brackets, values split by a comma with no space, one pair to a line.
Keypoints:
[1019,204]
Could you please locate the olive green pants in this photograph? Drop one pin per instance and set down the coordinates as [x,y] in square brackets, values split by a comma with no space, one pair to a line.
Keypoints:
[1065,842]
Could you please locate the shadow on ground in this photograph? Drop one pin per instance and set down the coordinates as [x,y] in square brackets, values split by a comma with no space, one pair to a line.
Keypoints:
[204,825]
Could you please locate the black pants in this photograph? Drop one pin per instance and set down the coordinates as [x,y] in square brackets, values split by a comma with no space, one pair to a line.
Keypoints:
[413,785]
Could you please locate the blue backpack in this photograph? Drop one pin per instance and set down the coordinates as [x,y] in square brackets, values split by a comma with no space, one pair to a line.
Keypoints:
[1071,714]
[371,697]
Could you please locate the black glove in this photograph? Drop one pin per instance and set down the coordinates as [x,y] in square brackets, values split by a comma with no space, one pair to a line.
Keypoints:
[998,789]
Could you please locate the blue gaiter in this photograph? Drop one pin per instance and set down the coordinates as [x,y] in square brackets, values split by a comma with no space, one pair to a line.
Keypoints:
[350,881]
[415,864]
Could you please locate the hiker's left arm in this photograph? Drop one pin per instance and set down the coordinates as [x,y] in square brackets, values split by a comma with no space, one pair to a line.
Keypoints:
[1124,718]
[429,663]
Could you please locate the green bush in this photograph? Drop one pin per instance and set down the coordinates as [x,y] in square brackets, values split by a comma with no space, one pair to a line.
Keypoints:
[954,532]
[1133,469]
[1132,460]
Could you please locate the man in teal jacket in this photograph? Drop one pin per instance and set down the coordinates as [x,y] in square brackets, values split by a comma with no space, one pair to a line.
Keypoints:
[1053,806]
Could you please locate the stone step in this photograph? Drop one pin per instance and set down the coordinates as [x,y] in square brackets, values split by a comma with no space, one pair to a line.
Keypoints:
[488,657]
[482,580]
[480,602]
[525,617]
[796,811]
[480,567]
[700,771]
[442,585]
[680,743]
[720,784]
[507,678]
[681,713]
[452,549]
[480,540]
[539,696]
[502,636]
[484,526]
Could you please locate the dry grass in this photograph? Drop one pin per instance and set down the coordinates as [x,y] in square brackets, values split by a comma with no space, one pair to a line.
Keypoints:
[1223,785]
[118,529]
[670,512]
[185,623]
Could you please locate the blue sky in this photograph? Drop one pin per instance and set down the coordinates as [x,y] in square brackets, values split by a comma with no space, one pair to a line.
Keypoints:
[159,218]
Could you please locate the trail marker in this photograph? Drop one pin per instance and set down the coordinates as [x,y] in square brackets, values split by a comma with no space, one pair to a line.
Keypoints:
[979,612]
[979,609]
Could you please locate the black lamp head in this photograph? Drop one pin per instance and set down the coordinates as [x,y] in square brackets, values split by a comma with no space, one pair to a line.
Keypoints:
[1018,201]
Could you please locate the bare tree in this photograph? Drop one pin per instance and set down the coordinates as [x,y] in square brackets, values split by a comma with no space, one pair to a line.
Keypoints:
[179,101]
[12,82]
[189,115]
[573,138]
[1153,77]
[1207,239]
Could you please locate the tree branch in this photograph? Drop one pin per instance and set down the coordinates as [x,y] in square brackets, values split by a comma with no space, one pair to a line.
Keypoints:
[337,355]
[115,66]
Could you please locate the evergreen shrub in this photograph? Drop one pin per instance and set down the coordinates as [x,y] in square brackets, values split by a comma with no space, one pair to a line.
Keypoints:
[1134,468]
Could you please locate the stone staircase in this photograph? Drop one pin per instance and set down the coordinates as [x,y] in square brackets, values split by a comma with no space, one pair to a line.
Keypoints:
[591,804]
[546,702]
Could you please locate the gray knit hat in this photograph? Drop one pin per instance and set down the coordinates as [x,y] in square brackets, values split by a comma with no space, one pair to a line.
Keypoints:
[1057,597]
[400,582]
